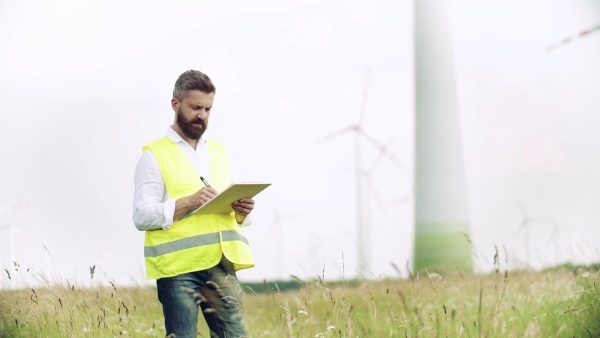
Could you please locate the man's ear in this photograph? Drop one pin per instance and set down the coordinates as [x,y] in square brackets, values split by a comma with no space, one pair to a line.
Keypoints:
[174,103]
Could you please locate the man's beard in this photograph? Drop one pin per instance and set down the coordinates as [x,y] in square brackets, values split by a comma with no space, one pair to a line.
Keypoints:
[188,128]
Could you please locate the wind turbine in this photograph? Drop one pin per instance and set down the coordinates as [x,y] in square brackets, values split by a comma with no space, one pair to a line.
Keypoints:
[8,230]
[524,226]
[441,211]
[554,240]
[276,231]
[7,248]
[363,237]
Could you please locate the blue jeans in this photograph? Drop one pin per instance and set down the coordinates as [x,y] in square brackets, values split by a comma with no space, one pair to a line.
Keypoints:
[216,291]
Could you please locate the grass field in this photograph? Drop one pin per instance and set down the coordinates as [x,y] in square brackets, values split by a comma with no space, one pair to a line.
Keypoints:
[562,302]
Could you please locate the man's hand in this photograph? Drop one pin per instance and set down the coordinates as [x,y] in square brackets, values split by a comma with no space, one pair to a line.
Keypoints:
[193,202]
[202,196]
[242,208]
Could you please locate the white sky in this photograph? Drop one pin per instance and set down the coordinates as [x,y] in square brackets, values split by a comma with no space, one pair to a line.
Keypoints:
[83,85]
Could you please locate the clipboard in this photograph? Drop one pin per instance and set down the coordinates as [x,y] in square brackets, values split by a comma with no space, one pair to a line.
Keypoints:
[221,204]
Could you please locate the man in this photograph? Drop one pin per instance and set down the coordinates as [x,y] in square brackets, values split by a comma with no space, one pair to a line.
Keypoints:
[193,257]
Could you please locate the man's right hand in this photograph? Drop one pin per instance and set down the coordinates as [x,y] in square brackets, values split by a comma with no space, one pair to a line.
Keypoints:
[202,196]
[193,202]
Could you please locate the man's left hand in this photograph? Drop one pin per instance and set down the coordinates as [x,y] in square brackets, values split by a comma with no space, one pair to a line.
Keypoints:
[243,206]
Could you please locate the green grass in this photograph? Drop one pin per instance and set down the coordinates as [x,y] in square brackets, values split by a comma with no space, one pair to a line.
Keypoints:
[552,303]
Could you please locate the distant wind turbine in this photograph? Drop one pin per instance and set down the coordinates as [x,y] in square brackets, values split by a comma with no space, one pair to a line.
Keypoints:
[8,230]
[554,240]
[276,231]
[7,248]
[524,227]
[361,176]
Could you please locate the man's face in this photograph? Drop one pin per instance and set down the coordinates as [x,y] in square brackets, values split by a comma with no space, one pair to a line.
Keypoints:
[192,112]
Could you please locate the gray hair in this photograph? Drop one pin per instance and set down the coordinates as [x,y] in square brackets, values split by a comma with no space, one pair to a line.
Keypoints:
[192,80]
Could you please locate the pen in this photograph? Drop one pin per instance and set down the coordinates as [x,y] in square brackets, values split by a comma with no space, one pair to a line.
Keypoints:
[204,181]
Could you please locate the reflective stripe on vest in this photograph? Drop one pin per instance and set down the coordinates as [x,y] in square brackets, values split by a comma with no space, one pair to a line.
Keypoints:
[196,242]
[190,242]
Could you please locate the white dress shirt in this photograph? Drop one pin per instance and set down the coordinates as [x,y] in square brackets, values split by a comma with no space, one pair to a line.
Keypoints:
[152,207]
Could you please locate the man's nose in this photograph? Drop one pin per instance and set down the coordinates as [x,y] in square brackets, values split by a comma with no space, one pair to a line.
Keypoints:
[202,113]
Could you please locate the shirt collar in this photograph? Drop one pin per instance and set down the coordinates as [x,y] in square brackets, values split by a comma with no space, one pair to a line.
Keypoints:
[172,134]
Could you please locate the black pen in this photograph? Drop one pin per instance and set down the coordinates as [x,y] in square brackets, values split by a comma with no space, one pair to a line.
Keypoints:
[204,181]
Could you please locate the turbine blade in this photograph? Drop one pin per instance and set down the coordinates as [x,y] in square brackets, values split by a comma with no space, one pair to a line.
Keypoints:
[379,157]
[573,38]
[382,148]
[333,135]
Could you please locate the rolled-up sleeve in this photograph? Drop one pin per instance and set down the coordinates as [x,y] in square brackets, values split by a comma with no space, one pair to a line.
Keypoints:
[152,209]
[246,222]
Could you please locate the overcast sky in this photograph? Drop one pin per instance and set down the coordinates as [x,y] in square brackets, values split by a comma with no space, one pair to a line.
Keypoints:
[83,85]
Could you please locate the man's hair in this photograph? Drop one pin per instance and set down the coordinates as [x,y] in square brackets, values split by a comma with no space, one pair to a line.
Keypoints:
[192,80]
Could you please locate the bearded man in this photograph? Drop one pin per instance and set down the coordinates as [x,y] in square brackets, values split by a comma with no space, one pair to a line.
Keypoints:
[193,257]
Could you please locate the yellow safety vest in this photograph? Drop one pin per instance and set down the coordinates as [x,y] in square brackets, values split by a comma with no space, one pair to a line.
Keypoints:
[196,242]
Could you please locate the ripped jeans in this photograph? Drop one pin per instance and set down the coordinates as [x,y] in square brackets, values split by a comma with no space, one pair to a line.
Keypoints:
[216,291]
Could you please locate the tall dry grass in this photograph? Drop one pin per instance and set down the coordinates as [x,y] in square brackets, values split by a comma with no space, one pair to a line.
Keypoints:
[559,303]
[521,304]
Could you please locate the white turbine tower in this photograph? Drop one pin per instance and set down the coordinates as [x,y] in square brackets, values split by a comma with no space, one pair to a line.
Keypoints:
[363,237]
[441,210]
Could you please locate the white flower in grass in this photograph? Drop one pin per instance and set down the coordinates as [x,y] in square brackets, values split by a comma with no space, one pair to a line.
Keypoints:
[302,312]
[330,327]
[435,275]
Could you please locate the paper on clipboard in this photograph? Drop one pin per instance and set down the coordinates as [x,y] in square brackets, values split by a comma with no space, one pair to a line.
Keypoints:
[221,204]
